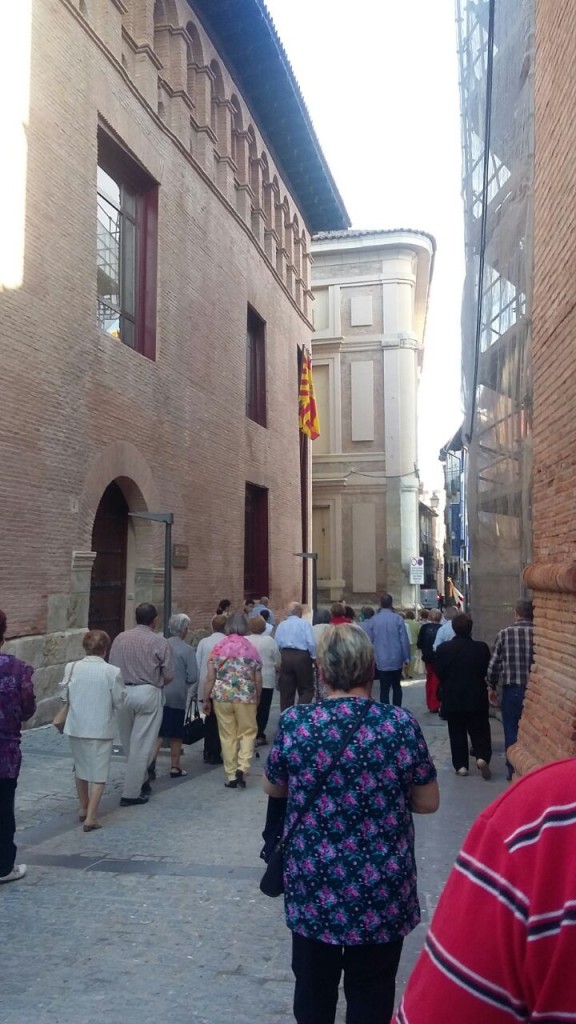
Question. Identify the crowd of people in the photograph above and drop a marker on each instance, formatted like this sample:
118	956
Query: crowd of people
344	775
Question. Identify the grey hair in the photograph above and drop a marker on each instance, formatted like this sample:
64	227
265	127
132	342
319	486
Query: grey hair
236	623
345	657
178	623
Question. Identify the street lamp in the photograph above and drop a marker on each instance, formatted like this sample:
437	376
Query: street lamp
168	519
314	556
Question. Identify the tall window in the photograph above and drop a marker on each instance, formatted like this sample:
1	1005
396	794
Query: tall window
127	219
256	570
256	368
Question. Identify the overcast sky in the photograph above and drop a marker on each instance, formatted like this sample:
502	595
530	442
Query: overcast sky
380	80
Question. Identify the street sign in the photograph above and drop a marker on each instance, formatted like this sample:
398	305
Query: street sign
416	571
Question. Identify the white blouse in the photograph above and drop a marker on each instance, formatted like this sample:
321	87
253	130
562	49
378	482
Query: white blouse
268	650
94	691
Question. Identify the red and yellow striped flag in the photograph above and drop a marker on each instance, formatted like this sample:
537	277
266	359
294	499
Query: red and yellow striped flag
307	409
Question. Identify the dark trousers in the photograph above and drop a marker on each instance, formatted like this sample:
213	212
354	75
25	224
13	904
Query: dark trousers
296	677
387	680
475	725
212	748
511	706
7	826
263	712
369	981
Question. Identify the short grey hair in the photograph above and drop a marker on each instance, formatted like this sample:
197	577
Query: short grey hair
236	623
295	608
345	657
178	623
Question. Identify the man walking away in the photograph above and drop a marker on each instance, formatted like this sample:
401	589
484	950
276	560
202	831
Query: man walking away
387	631
297	644
510	665
446	631
461	665
147	664
425	643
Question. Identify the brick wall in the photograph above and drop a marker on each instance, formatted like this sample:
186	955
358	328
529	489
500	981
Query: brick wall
80	409
548	726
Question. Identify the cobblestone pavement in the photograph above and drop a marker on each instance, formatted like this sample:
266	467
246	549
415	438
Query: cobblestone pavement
159	916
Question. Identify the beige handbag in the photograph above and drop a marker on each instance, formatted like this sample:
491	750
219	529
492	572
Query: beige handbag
59	720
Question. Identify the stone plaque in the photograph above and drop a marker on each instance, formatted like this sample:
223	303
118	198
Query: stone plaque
180	554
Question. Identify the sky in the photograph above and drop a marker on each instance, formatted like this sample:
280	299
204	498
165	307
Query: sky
380	80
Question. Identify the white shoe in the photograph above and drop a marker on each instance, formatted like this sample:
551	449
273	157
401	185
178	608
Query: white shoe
462	771
484	768
18	871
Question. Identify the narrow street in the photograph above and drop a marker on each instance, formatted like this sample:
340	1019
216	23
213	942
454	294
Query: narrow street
158	916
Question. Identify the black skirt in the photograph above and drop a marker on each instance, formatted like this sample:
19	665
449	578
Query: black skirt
172	723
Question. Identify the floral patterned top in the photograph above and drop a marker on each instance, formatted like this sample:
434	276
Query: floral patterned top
17	704
350	870
235	660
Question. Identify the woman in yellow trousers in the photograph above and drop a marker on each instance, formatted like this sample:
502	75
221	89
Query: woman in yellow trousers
234	684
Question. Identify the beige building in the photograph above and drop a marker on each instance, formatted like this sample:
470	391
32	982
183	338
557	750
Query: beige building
154	303
370	301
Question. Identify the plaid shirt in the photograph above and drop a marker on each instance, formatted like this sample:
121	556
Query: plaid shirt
513	655
143	657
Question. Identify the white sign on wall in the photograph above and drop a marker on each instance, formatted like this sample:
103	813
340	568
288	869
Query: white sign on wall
416	571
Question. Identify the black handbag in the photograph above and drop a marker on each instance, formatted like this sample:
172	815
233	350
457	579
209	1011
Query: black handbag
194	728
272	881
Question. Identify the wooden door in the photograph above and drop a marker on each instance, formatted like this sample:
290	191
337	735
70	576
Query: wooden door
108	584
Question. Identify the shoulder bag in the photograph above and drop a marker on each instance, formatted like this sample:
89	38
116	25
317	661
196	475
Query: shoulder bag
272	881
59	720
194	728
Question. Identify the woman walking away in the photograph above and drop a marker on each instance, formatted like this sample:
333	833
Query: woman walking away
269	652
176	695
461	666
94	691
17	705
358	770
234	684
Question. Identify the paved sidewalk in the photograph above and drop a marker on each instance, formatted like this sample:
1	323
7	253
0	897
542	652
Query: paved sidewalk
159	916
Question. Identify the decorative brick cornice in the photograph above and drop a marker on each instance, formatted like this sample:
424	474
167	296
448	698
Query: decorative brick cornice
555	577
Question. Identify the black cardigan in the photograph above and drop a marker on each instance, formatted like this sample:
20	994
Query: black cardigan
461	665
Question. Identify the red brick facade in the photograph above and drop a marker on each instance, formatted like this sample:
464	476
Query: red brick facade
80	409
548	726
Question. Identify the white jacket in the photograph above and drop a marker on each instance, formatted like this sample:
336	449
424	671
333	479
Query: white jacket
94	691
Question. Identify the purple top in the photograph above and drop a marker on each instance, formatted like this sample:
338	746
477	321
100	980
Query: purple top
17	704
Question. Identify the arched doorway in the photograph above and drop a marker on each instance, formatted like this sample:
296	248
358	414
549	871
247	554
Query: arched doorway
108	583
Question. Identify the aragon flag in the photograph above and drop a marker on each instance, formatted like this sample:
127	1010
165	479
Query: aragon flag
307	409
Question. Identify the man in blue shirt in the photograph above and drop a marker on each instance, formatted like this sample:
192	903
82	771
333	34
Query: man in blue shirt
297	644
387	632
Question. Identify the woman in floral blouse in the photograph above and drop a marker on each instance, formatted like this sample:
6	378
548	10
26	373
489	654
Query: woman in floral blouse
234	684
350	870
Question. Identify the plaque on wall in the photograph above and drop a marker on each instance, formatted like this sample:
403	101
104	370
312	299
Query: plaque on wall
180	554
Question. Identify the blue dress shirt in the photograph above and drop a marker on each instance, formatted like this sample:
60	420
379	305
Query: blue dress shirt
444	633
387	632
296	633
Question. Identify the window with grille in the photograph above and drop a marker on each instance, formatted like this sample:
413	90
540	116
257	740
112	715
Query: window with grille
256	368
127	214
256	554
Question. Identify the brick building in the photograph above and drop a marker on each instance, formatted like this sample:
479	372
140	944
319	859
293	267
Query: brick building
154	299
371	295
548	725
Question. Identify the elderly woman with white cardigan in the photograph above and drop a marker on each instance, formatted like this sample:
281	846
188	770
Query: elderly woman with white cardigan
93	692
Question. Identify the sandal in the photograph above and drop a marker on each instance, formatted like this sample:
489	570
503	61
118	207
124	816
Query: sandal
91	828
177	773
82	817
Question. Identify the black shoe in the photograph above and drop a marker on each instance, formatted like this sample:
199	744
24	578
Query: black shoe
240	779
231	785
146	789
133	801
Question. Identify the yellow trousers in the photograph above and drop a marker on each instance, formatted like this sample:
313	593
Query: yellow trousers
238	730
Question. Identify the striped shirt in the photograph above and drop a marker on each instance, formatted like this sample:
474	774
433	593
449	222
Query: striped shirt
501	945
513	655
143	656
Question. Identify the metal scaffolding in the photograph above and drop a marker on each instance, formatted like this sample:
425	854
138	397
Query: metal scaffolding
496	40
